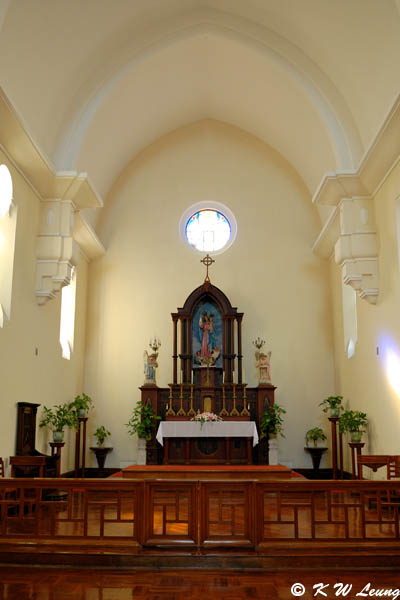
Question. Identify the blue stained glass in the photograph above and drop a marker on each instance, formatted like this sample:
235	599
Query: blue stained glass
208	230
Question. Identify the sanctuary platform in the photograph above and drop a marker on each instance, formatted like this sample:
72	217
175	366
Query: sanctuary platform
207	472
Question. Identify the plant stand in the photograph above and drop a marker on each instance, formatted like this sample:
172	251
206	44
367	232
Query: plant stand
355	449
141	453
273	451
56	448
80	468
101	455
334	421
316	455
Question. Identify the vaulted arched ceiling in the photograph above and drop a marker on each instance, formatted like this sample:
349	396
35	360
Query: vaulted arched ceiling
97	81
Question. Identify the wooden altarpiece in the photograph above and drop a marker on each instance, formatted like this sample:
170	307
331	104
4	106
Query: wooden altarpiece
212	382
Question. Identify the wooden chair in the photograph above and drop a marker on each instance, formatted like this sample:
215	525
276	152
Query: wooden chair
1	467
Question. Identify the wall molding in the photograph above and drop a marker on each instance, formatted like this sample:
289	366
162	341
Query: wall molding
350	194
62	196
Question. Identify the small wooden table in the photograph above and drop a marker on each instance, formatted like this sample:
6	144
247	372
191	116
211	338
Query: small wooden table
374	462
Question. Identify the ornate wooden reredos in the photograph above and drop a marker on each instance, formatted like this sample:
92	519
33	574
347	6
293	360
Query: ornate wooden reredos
207	370
207	294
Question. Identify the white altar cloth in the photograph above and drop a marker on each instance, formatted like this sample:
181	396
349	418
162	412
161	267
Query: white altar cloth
227	429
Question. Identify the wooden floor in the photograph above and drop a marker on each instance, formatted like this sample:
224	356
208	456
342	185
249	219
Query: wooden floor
51	584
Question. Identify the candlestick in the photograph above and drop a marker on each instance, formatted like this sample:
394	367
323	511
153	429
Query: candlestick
181	412
234	411
170	411
191	412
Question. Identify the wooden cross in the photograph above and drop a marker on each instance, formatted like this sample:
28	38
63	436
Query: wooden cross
207	262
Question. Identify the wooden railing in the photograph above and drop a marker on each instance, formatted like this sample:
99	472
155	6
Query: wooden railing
137	516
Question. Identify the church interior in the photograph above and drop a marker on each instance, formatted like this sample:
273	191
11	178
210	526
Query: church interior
122	125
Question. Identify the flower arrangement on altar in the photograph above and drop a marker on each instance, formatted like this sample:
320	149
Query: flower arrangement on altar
205	417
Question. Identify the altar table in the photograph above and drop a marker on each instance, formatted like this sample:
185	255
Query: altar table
225	430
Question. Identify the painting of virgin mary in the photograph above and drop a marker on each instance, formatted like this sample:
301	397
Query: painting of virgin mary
207	335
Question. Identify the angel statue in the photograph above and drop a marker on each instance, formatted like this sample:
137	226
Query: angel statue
263	365
150	363
263	362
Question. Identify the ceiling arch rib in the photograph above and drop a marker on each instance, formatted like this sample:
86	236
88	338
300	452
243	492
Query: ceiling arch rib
200	78
322	94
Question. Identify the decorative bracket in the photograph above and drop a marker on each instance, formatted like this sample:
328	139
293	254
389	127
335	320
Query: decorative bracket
57	251
356	249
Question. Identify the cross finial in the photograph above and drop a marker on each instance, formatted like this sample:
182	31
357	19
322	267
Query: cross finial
207	262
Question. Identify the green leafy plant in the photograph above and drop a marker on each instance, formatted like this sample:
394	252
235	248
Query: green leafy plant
353	420
315	434
272	421
58	417
142	421
81	404
333	403
101	434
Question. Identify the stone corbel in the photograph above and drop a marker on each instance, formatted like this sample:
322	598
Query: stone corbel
57	253
57	250
356	249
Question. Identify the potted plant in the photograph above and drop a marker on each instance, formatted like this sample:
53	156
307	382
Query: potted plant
81	405
333	405
101	434
271	426
314	435
353	421
272	421
57	418
142	423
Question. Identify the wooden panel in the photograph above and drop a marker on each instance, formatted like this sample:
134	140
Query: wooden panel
227	514
171	515
132	517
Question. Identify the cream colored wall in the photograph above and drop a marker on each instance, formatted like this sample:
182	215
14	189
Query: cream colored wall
46	378
269	273
369	381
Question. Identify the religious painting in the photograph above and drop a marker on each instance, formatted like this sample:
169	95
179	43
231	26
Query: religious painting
207	335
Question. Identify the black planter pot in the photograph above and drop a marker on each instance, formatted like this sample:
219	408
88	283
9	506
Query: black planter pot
316	455
101	455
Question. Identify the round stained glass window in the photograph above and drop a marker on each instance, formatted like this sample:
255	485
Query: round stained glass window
208	230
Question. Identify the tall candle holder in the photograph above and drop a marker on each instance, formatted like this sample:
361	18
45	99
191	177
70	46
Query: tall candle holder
181	412
223	412
170	412
234	412
191	412
244	412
